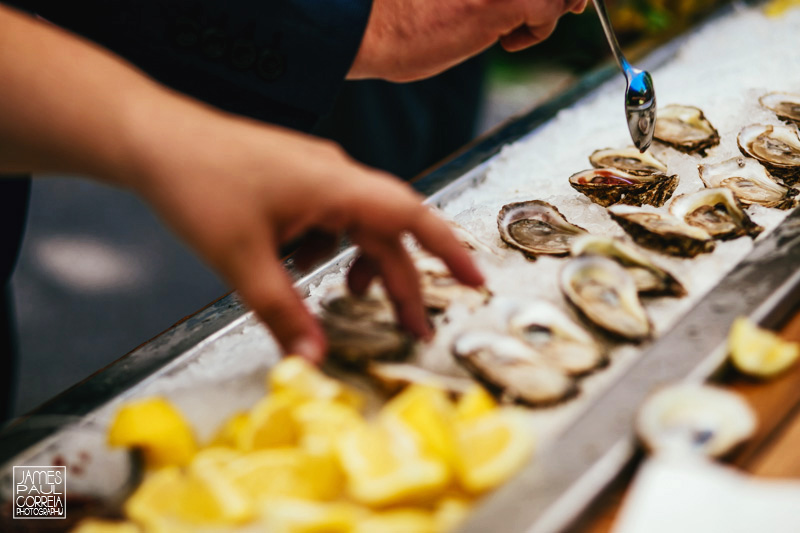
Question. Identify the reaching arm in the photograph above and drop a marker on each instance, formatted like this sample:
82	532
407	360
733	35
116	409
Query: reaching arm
233	188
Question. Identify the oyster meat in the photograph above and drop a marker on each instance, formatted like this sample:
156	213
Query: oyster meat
749	181
607	186
557	338
536	228
695	418
717	211
606	295
439	288
785	105
629	159
360	330
512	368
685	128
650	278
775	147
662	232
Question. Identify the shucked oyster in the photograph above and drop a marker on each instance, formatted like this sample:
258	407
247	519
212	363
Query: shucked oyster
650	278
785	105
606	294
749	181
717	211
607	186
662	232
512	368
439	288
557	338
360	330
776	147
629	159
697	418
536	228
685	128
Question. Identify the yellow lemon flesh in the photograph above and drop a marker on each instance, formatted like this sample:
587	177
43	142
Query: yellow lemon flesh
475	402
304	379
759	352
398	521
303	516
270	423
158	428
428	413
383	467
491	448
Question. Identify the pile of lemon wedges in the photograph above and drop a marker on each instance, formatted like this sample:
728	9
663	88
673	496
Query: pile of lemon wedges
305	459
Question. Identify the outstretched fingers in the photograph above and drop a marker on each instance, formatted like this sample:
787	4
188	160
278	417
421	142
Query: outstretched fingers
267	288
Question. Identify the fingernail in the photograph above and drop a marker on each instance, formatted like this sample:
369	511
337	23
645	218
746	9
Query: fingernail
308	349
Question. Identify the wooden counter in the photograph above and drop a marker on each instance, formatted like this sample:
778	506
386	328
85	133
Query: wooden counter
774	451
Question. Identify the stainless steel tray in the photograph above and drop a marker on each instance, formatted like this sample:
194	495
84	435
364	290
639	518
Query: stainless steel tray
552	491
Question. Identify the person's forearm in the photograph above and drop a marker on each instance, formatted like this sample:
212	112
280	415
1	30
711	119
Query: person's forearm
69	106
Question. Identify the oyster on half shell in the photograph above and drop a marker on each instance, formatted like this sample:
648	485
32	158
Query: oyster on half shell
606	295
695	418
629	159
749	181
607	186
512	368
536	228
650	278
557	338
439	288
362	329
775	147
785	105
662	232
685	128
391	377
717	211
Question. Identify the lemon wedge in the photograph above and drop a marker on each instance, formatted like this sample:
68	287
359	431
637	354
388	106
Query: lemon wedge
282	515
383	466
398	521
230	433
428	413
270	423
491	448
298	375
759	352
158	428
475	402
208	496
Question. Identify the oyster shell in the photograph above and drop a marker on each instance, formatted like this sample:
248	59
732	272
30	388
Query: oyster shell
607	186
360	330
717	211
775	147
392	377
662	232
439	288
470	241
557	338
650	278
629	159
785	105
693	417
749	181
536	228
685	128
606	295
512	368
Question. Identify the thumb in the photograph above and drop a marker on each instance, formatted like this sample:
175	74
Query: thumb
267	288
